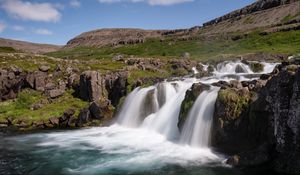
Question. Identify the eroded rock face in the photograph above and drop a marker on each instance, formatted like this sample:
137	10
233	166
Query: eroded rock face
92	86
116	85
282	98
190	97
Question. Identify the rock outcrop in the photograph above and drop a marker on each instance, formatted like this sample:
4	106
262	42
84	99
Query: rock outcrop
11	82
92	86
261	125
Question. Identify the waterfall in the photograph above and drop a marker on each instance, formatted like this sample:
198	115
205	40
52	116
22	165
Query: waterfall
230	67
130	114
166	119
196	130
156	108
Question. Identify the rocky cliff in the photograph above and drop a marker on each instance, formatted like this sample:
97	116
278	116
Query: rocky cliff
258	121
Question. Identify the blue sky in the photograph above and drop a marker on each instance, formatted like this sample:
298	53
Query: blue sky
57	21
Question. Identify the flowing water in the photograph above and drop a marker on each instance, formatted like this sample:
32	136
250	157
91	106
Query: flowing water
144	139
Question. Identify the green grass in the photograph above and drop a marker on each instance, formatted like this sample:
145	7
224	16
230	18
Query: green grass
201	49
19	109
7	50
289	17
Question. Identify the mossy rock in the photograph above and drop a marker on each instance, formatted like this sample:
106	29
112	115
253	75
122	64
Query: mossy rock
189	100
233	102
256	67
180	72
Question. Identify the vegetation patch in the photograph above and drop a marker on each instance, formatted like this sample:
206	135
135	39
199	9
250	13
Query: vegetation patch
234	103
7	50
21	109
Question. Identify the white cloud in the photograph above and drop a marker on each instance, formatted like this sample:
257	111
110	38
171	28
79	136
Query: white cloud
34	11
151	2
17	28
43	32
2	26
75	3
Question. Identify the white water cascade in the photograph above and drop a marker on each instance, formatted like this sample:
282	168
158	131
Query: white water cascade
156	108
196	130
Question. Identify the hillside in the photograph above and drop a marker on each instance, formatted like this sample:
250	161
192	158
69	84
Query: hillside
27	46
274	15
269	15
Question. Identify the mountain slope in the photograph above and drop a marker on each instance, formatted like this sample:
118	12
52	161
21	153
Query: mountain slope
272	14
27	46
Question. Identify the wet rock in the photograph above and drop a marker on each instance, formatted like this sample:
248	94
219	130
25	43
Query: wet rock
239	69
190	97
222	84
149	105
233	160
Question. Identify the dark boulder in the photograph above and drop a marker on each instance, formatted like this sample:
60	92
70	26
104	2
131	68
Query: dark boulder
116	86
67	118
101	110
83	117
11	82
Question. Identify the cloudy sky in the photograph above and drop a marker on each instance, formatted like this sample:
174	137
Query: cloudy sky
57	21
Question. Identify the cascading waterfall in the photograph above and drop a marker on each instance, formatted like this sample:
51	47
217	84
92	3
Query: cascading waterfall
165	120
230	67
156	108
196	130
144	137
130	114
